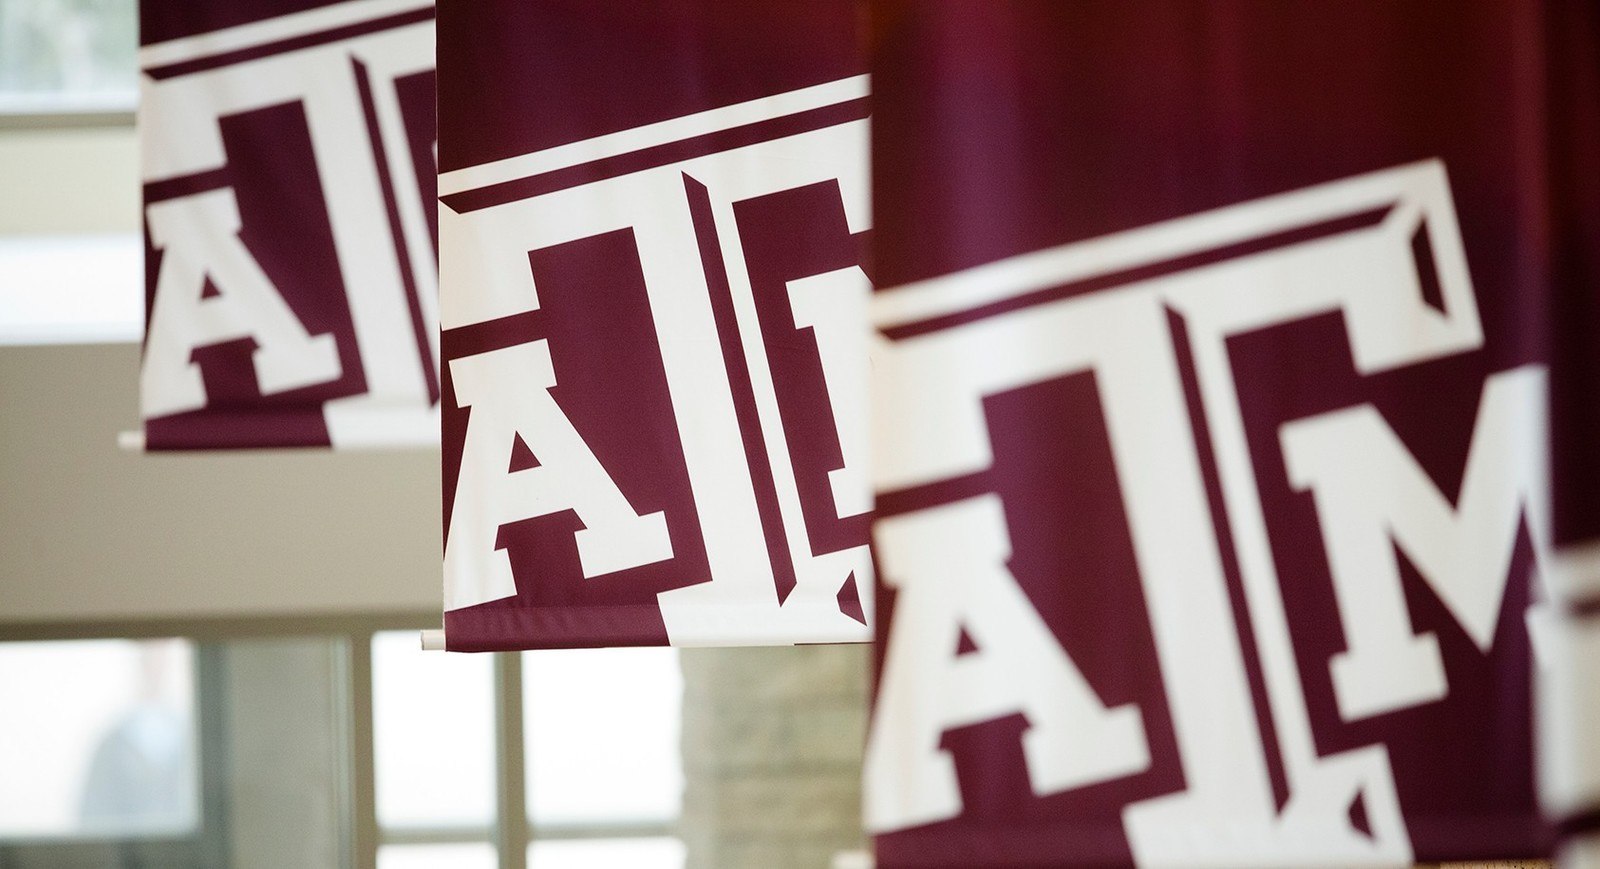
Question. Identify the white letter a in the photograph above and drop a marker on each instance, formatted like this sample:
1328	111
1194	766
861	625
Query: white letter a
199	238
508	391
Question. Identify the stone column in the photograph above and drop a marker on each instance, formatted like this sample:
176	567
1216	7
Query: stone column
772	741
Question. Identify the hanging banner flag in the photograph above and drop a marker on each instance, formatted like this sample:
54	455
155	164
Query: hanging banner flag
289	180
1569	688
654	329
1209	432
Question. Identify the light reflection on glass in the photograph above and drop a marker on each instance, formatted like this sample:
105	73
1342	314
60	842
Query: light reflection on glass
433	735
97	739
602	731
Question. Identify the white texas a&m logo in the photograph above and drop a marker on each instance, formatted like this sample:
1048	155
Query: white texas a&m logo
691	290
356	79
948	560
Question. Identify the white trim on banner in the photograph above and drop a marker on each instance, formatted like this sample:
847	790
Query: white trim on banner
273	30
652	135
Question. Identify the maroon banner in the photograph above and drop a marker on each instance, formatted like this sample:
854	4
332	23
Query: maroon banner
1210	426
288	151
1570	690
653	312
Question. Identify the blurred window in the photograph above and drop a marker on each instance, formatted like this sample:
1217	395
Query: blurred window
97	739
68	55
602	776
601	731
110	745
433	735
71	289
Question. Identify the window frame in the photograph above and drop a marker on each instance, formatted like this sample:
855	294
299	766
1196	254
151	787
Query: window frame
109	117
512	831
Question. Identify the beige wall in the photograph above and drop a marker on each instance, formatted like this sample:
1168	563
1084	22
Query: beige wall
91	533
68	180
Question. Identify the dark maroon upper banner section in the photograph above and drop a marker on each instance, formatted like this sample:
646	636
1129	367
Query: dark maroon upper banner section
1573	78
1211	103
159	22
560	71
1078	119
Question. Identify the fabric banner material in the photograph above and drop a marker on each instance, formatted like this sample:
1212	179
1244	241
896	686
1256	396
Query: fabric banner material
1569	690
289	181
1210	429
653	307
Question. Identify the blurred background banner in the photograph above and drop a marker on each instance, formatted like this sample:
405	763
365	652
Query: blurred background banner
289	180
652	301
1211	430
1570	688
